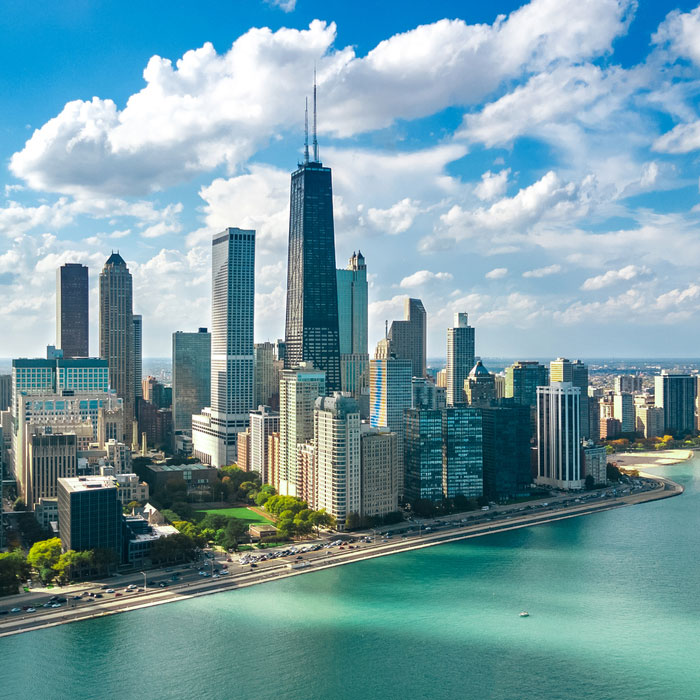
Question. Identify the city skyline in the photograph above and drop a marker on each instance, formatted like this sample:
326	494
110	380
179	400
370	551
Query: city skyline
541	211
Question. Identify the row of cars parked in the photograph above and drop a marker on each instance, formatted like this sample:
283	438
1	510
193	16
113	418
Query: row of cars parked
55	601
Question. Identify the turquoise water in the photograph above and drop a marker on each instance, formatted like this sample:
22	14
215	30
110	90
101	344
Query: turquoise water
614	600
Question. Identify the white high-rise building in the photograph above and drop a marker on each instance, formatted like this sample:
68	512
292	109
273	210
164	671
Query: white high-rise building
215	430
299	389
558	436
263	423
623	410
337	455
460	358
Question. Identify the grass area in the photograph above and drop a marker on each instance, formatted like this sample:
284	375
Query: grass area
242	513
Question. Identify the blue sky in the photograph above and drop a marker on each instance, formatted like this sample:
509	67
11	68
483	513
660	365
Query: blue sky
535	165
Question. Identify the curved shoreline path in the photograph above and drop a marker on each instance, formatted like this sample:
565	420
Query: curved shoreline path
277	569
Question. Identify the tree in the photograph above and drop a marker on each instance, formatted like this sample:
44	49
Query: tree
19	504
612	472
74	565
43	556
13	570
133	504
352	521
231	534
590	481
172	548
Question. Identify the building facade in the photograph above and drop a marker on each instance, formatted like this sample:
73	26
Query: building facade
379	462
462	452
73	310
214	432
558	436
409	337
422	452
263	423
460	358
522	380
191	376
117	330
675	394
138	355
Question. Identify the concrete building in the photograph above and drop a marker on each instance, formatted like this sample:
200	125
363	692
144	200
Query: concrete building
425	394
460	358
462	452
263	423
266	375
594	460
243	455
379	462
50	456
558	436
423	455
409	337
196	477
299	389
480	386
307	486
119	456
610	428
5	391
131	489
506	430
623	410
156	424
72	311
675	394
337	455
629	384
215	431
649	420
273	459
191	376
117	331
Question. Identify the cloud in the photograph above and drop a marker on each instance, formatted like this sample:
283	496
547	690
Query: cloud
627	273
422	277
396	219
683	138
209	110
497	273
543	271
284	5
680	34
492	185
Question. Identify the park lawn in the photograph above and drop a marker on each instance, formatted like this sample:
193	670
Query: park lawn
241	513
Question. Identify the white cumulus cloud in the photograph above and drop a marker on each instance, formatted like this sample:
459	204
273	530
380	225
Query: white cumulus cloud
543	271
497	273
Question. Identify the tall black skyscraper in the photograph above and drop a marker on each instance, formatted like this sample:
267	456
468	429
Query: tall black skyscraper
72	315
312	299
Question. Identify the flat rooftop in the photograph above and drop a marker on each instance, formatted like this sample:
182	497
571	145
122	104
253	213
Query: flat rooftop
87	483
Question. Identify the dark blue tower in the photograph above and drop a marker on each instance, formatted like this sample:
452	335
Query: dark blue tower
311	333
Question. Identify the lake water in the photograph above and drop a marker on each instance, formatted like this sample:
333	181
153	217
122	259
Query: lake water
614	602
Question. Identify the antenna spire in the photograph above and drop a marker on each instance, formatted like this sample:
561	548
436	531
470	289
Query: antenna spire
306	130
315	140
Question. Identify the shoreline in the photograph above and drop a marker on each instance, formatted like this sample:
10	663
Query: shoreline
277	571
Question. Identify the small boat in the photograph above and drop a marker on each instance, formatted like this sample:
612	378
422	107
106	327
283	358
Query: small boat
524	613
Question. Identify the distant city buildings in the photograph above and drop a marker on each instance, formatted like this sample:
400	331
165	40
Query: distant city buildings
480	386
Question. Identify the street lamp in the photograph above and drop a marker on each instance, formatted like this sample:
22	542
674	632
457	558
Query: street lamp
145	583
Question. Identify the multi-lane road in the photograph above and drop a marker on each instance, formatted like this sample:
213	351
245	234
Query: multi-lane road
128	592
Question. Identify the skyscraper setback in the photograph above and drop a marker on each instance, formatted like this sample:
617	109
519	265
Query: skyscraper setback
117	330
460	358
312	333
409	337
72	310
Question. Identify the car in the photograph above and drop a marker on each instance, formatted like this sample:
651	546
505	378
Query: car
117	595
224	572
76	597
99	595
47	605
215	576
108	590
31	609
16	610
55	605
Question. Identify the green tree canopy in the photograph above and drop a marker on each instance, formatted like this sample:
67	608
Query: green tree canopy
45	554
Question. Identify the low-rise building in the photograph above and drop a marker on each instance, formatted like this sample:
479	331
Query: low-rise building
195	476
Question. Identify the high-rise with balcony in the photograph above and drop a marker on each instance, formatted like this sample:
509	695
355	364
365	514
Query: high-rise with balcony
72	310
138	356
675	394
460	358
117	330
311	333
215	430
191	376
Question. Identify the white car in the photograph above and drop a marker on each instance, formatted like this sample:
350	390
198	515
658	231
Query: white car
110	590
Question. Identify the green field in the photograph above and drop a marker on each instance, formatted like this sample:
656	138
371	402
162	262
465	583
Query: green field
241	513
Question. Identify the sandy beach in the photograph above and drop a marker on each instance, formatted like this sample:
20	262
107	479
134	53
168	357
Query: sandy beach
650	460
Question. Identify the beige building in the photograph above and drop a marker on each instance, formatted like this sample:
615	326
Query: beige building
50	457
650	420
131	489
379	460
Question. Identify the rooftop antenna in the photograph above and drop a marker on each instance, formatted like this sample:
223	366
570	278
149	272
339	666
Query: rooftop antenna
315	140
306	130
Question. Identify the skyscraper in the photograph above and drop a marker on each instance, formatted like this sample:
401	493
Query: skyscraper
480	386
214	431
522	380
311	333
72	310
138	356
558	436
460	358
423	455
117	330
562	370
191	376
337	455
675	393
462	452
266	376
409	337
263	423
